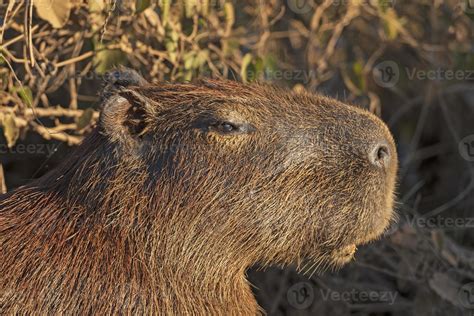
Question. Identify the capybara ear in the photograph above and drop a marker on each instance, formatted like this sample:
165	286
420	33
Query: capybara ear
119	78
127	115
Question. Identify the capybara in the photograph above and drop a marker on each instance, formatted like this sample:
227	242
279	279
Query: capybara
180	188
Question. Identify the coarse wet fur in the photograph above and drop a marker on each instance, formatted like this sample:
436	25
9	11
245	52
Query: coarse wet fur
181	188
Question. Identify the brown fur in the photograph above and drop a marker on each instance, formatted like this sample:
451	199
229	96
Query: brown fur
159	211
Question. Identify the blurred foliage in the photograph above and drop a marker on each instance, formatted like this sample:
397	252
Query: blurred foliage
53	46
54	53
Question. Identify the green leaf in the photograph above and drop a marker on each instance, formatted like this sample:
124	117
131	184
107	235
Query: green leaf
10	130
270	63
201	58
188	59
391	24
171	42
85	119
189	7
188	75
141	5
165	10
96	16
246	62
259	66
384	4
205	8
25	94
358	70
229	15
106	59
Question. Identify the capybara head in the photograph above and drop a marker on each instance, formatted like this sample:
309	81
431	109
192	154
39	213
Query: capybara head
182	187
253	173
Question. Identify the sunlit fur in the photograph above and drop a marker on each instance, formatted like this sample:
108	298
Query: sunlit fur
156	214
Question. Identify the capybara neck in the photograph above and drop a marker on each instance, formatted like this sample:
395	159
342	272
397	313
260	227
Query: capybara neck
123	247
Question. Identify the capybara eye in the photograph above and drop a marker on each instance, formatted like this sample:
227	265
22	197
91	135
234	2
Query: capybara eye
227	127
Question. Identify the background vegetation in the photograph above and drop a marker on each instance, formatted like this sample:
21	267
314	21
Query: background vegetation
411	62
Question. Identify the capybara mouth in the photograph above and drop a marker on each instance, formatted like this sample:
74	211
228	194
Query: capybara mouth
344	255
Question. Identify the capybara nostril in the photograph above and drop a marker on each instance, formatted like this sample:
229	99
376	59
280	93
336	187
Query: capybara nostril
380	155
